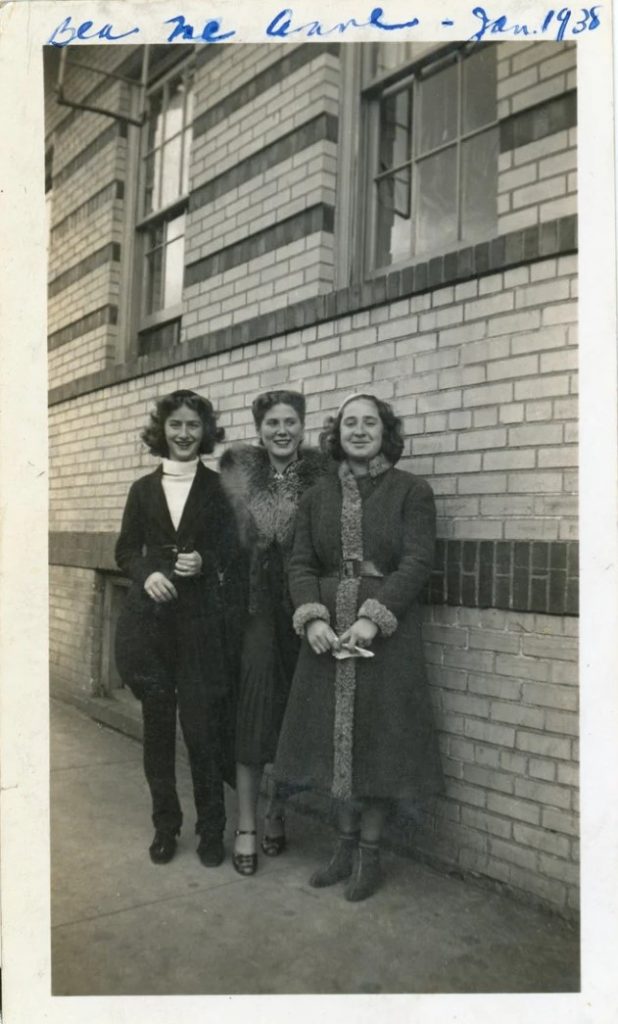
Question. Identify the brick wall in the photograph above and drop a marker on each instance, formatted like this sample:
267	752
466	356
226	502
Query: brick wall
478	353
74	630
241	126
538	176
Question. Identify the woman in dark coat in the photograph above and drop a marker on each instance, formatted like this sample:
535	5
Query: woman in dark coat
180	627
361	727
265	484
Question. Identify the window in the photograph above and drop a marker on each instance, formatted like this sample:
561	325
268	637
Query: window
163	199
432	150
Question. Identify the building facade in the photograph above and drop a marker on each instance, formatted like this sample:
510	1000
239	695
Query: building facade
400	218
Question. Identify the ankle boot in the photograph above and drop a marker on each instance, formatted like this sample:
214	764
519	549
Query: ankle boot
366	874
340	864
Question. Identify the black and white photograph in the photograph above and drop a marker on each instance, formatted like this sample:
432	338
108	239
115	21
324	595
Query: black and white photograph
314	485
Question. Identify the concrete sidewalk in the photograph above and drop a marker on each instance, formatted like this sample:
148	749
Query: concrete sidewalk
122	926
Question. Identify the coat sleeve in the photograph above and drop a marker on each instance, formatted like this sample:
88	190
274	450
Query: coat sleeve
130	555
403	586
304	570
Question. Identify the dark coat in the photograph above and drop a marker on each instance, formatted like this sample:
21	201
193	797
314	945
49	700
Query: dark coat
363	727
197	636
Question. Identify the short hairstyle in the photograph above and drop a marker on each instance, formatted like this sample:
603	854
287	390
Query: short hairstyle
153	435
261	405
392	438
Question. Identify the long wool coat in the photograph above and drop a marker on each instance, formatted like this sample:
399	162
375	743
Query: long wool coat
197	636
265	504
362	728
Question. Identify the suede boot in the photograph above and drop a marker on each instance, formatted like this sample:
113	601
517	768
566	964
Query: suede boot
340	864
366	875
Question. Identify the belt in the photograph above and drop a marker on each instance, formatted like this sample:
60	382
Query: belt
352	568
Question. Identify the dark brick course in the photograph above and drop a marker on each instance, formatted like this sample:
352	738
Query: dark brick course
475	262
107	254
98	318
273	75
320	128
116	130
316	218
547	118
510	575
107	194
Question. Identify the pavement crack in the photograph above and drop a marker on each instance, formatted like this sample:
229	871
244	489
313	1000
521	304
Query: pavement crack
141	906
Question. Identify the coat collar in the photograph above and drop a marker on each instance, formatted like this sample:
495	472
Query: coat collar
200	496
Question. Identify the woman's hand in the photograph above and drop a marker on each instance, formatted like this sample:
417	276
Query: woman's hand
321	637
159	588
188	564
360	633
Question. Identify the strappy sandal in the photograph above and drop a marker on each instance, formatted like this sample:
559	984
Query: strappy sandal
245	863
272	846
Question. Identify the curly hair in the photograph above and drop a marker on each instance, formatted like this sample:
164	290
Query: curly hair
153	435
263	403
392	438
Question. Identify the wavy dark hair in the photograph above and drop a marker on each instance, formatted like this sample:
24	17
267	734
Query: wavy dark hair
392	438
153	435
261	405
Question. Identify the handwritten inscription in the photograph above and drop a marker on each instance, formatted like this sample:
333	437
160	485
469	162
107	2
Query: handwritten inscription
556	24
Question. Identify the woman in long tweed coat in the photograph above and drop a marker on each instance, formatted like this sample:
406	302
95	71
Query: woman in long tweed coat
361	727
265	484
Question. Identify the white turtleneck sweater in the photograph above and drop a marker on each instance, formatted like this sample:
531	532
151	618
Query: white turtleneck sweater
177	479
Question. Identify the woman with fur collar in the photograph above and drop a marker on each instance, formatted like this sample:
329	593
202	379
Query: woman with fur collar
359	720
264	485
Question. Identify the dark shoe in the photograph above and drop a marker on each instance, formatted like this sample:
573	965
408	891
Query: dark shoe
366	875
245	863
272	846
340	864
210	849
162	847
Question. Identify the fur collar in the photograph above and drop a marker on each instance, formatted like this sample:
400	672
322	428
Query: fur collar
265	502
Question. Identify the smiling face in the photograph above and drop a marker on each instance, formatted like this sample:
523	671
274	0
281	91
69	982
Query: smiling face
281	432
184	431
361	430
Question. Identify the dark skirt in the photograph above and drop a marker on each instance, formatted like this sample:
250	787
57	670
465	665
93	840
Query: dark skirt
269	654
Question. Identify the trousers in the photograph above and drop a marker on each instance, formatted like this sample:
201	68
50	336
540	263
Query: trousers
160	706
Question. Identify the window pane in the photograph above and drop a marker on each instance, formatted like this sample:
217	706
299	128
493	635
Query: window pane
438	109
154	282
395	134
436	221
479	186
175	107
154	132
479	86
152	175
186	156
189	101
171	171
159	339
174	271
393	218
390	56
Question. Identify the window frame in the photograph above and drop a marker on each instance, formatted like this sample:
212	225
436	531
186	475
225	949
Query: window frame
431	58
145	323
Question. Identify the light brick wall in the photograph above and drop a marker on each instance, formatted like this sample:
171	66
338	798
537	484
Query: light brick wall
505	695
74	630
291	272
536	182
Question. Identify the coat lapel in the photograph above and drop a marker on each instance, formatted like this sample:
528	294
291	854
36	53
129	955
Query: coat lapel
199	498
158	503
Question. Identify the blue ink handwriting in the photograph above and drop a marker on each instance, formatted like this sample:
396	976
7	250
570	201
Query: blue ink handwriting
207	35
65	33
500	26
281	25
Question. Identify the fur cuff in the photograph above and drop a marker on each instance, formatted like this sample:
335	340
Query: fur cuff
306	613
379	615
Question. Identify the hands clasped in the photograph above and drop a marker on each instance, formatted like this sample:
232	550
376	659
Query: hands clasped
161	589
322	639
